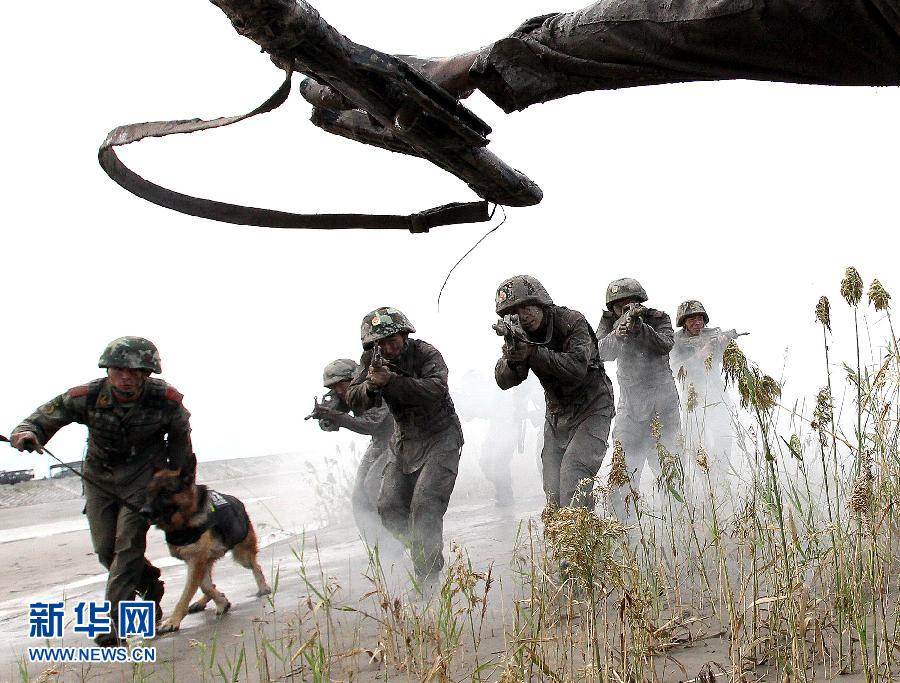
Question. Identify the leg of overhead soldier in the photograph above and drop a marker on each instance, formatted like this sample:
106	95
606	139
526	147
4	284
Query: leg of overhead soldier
429	503
582	459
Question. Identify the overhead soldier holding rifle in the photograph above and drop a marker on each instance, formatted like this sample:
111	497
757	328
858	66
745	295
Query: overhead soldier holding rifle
137	425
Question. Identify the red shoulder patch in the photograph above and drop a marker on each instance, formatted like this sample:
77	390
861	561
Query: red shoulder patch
77	392
173	395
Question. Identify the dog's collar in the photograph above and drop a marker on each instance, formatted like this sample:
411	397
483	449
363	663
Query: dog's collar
198	524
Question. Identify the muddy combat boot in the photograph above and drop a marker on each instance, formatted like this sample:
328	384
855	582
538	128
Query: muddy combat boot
152	588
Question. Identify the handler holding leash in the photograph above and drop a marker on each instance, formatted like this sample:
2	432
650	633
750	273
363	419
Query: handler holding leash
136	426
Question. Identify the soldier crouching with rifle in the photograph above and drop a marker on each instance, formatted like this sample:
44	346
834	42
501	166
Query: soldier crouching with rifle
559	346
639	339
410	377
334	413
136	426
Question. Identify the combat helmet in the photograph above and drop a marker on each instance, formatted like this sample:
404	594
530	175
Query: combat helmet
131	352
338	371
624	288
520	290
381	323
688	308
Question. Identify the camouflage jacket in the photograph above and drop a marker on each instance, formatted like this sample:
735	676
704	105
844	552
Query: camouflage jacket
646	385
155	430
375	422
568	367
417	395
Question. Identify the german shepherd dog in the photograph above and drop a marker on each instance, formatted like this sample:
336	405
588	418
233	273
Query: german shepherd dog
201	525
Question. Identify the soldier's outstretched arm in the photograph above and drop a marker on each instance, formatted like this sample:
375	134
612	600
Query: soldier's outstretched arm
368	423
55	414
630	43
430	388
570	364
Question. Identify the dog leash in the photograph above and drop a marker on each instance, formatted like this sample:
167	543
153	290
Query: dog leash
117	498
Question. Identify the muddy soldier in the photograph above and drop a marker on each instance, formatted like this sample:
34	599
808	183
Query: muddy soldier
136	426
626	43
639	339
410	377
558	345
333	413
697	358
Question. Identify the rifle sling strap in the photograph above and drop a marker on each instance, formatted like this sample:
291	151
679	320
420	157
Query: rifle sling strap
422	221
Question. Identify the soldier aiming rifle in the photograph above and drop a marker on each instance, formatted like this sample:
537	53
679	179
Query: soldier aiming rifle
706	408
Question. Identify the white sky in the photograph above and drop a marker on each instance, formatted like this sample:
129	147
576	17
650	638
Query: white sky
752	197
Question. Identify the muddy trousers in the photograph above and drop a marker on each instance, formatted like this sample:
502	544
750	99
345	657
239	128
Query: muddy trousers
412	507
573	451
640	448
119	537
366	490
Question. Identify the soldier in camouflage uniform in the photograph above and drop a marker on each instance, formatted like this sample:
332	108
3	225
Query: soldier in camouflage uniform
334	413
410	377
697	362
136	426
559	346
639	339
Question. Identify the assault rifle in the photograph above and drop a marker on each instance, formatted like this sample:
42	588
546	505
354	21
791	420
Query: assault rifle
707	334
328	401
510	328
632	314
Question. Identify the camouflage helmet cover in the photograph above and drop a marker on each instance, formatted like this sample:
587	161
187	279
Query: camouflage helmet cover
338	371
131	352
624	288
520	290
381	323
688	308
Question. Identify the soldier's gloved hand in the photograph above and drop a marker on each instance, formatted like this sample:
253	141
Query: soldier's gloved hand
520	353
26	441
379	376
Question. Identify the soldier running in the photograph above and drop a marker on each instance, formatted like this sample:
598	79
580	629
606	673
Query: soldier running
558	345
639	340
333	413
136	426
410	377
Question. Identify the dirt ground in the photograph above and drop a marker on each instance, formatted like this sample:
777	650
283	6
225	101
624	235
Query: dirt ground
45	554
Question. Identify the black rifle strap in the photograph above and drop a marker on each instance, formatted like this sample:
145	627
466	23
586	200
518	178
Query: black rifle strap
423	221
